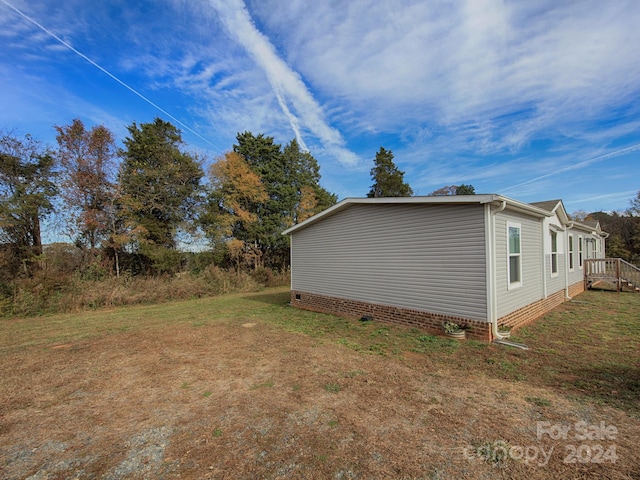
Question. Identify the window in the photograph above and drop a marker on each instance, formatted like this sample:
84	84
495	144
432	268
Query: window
515	255
554	253
594	245
571	253
580	245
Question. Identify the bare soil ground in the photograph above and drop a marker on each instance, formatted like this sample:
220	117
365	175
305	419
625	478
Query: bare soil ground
262	390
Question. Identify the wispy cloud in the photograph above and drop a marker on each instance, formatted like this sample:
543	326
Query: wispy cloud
288	87
538	98
476	62
577	165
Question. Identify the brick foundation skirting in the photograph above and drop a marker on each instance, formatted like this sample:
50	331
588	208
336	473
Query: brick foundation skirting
576	289
431	322
535	310
426	320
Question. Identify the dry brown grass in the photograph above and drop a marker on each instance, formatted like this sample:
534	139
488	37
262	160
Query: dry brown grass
244	386
51	292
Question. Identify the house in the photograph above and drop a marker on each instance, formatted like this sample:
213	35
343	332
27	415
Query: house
477	260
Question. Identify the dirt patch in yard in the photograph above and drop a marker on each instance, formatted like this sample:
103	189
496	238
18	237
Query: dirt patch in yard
244	398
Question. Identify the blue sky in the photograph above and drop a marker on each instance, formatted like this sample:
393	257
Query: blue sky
535	100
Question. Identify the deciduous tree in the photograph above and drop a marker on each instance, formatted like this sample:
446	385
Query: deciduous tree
624	234
634	209
303	173
86	159
230	209
27	189
454	190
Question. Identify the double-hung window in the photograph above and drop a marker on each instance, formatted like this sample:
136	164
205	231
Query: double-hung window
571	253
514	265
554	253
580	251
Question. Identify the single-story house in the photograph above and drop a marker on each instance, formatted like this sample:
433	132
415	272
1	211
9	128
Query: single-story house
479	260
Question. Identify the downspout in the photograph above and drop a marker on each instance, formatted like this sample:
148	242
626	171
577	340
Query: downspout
543	237
290	263
492	284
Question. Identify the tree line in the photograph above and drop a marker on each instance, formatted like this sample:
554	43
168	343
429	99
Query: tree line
131	208
623	228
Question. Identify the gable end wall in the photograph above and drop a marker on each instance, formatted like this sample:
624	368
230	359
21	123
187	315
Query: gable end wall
427	258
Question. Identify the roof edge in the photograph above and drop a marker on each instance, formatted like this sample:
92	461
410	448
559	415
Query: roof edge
424	200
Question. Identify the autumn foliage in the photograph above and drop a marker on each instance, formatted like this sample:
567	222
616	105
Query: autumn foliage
145	211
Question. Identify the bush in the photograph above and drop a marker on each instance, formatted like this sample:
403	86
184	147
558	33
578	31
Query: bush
263	276
53	293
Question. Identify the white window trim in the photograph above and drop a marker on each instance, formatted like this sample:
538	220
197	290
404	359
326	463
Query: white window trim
557	272
580	251
571	261
513	285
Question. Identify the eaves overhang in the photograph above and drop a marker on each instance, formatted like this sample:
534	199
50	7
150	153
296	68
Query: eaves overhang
511	204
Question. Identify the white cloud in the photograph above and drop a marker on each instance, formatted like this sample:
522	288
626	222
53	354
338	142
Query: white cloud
446	63
289	89
490	92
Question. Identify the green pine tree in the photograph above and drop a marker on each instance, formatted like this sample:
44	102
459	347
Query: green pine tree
388	180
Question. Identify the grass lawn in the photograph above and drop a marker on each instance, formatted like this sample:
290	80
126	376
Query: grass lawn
245	386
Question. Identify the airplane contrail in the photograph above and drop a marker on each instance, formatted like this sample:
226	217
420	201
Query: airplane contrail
575	166
105	71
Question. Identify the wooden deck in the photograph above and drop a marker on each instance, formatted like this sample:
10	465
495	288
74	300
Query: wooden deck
620	273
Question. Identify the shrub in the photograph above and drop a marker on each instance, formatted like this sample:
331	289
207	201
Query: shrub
263	276
49	293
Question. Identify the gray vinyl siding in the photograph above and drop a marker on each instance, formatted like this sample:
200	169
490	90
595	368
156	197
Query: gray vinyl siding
424	257
555	283
531	289
577	275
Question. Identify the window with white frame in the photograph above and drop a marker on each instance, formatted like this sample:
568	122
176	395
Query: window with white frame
571	253
594	248
580	251
514	266
554	253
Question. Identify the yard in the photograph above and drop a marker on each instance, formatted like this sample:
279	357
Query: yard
244	386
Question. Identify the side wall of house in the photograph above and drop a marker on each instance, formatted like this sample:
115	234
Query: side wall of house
531	289
555	281
427	258
527	314
542	289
